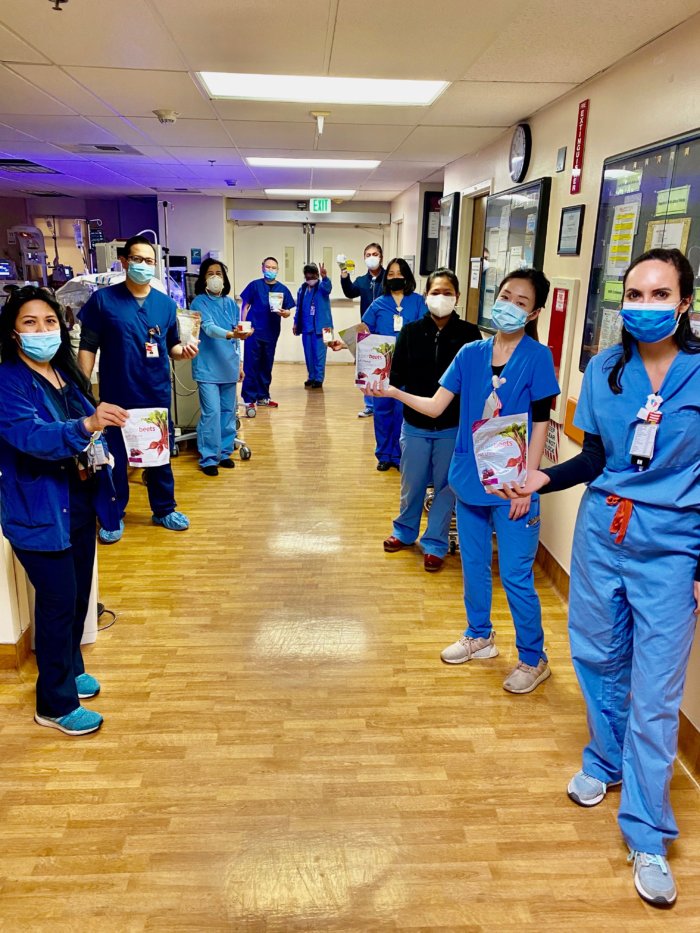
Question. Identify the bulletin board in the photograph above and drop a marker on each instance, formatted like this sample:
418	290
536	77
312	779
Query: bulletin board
515	235
648	198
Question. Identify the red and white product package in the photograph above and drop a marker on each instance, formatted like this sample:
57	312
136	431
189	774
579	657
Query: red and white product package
500	450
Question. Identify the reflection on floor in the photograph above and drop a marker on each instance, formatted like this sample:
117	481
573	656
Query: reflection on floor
284	751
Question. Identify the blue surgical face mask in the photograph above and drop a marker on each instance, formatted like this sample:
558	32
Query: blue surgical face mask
41	347
650	323
270	274
140	273
508	317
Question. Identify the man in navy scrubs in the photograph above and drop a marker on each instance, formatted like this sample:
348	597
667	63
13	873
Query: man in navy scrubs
135	329
264	302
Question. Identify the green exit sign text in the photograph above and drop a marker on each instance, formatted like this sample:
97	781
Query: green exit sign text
320	205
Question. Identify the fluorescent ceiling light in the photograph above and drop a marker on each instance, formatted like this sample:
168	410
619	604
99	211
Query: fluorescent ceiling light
316	193
321	90
261	162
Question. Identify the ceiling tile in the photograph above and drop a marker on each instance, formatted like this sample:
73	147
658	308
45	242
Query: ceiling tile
444	143
272	135
137	93
559	48
184	132
95	32
259	36
14	49
59	130
414	39
271	111
18	96
491	103
66	89
10	134
194	155
361	138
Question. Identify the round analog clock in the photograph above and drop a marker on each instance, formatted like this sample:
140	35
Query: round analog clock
520	150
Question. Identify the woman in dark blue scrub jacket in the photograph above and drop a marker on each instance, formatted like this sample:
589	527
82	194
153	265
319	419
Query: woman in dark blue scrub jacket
398	305
49	497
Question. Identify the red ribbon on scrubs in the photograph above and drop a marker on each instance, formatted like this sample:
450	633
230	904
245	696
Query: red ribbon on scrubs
621	518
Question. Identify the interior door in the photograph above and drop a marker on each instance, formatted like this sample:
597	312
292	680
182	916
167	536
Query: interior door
476	258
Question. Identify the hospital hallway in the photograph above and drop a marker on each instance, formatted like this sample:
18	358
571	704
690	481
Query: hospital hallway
283	749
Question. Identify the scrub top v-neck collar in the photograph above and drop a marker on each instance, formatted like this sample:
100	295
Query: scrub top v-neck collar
670	372
513	354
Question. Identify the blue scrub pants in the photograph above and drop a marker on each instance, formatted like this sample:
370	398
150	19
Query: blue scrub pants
315	352
62	581
160	481
259	357
631	624
425	458
388	419
517	548
216	430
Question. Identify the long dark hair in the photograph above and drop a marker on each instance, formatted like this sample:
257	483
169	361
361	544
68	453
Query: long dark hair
683	336
540	284
65	357
200	286
409	277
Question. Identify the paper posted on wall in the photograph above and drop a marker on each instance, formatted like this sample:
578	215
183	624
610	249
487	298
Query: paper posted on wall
146	437
500	450
373	360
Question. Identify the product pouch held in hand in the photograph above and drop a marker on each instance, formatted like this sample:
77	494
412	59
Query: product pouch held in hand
189	323
500	450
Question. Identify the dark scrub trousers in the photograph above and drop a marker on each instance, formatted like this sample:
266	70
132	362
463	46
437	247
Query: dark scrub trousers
259	352
120	326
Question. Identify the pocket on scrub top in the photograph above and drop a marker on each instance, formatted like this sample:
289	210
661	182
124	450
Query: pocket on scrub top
678	440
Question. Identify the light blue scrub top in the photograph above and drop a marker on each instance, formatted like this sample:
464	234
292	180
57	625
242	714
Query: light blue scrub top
672	479
218	359
379	317
529	375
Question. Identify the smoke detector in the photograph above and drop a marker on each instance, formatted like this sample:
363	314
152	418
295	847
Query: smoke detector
167	116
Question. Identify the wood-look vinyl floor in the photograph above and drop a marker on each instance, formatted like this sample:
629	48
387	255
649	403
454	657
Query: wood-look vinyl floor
283	749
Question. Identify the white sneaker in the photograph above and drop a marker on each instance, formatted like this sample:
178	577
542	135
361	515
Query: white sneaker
653	878
524	677
466	649
365	413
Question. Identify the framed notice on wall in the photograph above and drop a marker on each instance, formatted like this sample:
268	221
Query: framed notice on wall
649	198
515	234
447	233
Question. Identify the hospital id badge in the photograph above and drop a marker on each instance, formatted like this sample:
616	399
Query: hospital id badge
152	349
642	449
398	323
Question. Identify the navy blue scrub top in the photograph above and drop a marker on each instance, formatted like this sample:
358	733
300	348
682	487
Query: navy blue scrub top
266	323
123	327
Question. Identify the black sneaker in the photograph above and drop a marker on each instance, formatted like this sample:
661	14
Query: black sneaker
210	471
383	466
308	384
316	385
227	463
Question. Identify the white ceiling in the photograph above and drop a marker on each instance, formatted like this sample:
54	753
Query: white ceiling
94	72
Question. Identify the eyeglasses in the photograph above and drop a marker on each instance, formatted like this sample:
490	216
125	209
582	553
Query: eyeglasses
143	259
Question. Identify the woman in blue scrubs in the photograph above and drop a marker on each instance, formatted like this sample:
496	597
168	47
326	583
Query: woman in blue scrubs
312	318
217	367
398	305
423	352
50	496
524	370
635	574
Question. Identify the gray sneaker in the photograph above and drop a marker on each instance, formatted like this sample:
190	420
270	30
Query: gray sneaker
467	649
365	413
524	678
588	791
653	878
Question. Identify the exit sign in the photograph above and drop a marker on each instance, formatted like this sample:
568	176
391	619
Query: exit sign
320	205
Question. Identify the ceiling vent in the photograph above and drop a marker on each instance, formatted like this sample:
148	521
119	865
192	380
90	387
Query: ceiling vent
24	167
178	190
101	149
47	194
